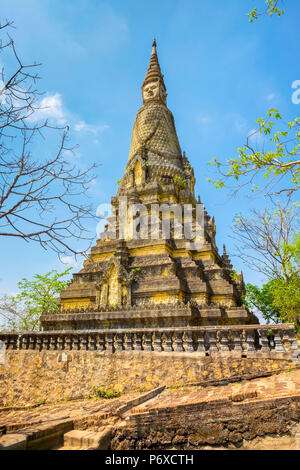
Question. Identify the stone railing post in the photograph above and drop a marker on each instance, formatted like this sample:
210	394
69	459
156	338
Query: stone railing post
45	342
250	338
110	341
201	343
6	340
212	341
60	342
279	349
224	346
100	342
179	341
52	342
139	338
119	342
38	343
265	346
92	342
289	339
148	341
168	341
12	342
76	342
83	342
157	345
129	341
24	342
237	343
189	342
31	341
68	342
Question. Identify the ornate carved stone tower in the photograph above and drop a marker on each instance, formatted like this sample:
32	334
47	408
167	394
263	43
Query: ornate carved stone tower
129	281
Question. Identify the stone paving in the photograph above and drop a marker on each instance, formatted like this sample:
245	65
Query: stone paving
284	384
63	410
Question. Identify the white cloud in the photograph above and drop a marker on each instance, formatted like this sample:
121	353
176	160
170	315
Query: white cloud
240	124
271	96
70	261
72	153
256	137
50	108
82	126
235	121
204	119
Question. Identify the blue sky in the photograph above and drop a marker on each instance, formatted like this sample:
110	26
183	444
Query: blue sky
221	73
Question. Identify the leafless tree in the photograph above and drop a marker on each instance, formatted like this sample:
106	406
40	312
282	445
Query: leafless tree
266	240
42	200
15	316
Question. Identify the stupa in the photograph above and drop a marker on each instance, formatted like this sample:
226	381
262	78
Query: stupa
131	281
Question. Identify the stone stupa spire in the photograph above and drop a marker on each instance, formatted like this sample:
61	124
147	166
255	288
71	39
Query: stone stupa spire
154	128
154	88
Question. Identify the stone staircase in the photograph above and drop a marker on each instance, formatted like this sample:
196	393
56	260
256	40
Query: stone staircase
87	440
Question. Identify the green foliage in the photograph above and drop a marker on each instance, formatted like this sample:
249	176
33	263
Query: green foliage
180	182
277	300
276	253
36	297
135	269
42	402
118	181
103	393
234	275
271	10
280	160
262	300
286	298
41	293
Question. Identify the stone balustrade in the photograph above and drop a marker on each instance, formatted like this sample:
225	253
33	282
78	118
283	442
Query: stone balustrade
236	341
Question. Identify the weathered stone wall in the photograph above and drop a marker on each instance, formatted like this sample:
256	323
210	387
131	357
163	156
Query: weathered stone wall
31	376
219	423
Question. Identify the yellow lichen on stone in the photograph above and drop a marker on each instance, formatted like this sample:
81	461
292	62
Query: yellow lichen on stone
112	286
138	174
76	303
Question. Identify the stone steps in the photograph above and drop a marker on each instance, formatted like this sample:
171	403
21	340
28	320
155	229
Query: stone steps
87	440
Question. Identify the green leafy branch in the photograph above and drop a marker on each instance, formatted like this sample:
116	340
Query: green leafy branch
283	159
271	10
180	182
38	296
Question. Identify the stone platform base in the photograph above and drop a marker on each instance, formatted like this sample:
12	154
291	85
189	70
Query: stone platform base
257	414
219	423
31	377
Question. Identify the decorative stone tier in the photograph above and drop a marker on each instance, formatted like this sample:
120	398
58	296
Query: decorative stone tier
236	341
155	316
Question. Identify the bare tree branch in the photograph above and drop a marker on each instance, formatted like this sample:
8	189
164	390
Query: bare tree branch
41	199
265	238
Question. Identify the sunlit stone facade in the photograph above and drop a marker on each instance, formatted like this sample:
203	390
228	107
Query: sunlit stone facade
131	282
